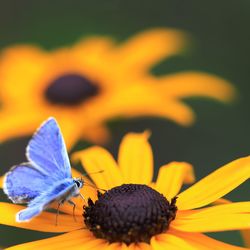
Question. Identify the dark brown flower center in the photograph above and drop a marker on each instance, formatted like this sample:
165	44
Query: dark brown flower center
129	213
70	89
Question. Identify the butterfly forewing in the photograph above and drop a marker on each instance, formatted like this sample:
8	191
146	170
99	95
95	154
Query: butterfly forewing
47	151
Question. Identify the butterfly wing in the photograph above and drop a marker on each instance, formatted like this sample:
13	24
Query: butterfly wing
36	206
47	151
24	183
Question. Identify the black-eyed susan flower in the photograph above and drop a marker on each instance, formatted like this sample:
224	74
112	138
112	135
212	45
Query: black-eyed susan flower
136	213
95	80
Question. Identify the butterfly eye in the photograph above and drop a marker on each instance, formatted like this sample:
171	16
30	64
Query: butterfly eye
78	183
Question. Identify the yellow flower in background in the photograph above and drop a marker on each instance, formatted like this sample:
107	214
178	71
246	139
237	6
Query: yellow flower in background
96	80
136	213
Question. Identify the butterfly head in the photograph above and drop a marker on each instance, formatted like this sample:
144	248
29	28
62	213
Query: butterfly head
79	182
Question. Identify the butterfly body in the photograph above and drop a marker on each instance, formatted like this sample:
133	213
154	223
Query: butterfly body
46	177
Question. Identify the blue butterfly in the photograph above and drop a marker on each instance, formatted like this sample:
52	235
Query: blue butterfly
46	177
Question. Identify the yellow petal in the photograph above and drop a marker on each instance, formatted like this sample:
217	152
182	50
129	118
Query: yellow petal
170	241
21	124
198	241
77	240
224	209
172	176
142	51
20	62
98	134
15	123
232	216
116	246
152	102
135	158
144	246
98	159
139	246
215	185
221	201
44	222
245	233
188	84
92	48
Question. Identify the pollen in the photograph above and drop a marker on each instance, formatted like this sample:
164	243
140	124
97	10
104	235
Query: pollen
129	213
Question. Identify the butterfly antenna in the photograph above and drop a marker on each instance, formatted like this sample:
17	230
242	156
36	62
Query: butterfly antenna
90	185
97	172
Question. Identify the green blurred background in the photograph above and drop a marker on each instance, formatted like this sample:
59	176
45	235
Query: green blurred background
221	35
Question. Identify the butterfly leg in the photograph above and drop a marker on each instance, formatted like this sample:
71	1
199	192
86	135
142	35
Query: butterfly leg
83	198
57	211
74	208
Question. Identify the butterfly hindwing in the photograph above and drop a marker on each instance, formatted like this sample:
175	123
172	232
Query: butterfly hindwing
47	151
28	213
23	183
57	192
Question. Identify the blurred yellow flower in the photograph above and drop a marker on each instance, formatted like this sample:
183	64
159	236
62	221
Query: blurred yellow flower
96	80
138	214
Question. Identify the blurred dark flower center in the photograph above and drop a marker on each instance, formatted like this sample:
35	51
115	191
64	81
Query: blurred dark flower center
129	213
70	89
